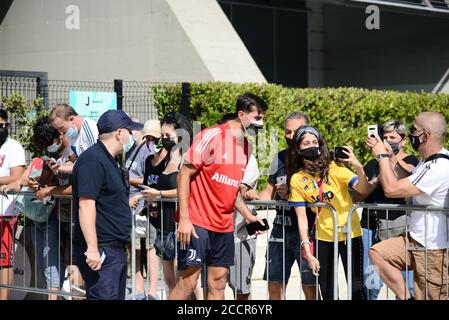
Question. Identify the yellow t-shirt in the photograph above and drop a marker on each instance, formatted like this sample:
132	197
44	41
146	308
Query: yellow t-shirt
304	189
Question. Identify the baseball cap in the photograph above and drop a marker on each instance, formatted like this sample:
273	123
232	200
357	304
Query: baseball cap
112	120
152	128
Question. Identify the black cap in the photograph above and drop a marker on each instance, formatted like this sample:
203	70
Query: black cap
112	120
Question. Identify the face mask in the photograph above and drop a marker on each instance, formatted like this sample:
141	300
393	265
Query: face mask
129	145
53	148
254	127
414	141
288	141
310	154
3	135
167	143
72	134
394	146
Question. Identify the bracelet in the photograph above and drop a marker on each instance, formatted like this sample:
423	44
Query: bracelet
306	241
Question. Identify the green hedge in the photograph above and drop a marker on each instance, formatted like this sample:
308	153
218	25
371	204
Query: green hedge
341	114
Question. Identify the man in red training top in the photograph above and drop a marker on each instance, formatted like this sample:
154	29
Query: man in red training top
208	185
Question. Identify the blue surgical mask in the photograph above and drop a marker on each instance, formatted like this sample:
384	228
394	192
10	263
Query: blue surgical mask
72	135
129	145
54	148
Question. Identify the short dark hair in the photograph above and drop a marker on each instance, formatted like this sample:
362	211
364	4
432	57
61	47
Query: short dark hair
247	101
44	134
4	114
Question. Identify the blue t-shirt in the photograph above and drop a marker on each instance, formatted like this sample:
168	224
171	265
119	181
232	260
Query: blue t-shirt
96	175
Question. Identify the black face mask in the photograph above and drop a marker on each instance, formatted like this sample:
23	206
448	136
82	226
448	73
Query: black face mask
167	143
310	154
288	141
414	141
3	135
394	146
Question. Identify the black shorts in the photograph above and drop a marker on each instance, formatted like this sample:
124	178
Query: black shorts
213	249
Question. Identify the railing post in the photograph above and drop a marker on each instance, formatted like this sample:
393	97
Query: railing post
133	254
118	89
185	99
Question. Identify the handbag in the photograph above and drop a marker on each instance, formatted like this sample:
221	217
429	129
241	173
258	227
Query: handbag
165	247
312	239
391	228
36	211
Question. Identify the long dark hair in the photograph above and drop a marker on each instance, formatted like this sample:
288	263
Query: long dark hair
317	168
180	122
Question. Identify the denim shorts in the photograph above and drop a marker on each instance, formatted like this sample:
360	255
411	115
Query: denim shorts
292	253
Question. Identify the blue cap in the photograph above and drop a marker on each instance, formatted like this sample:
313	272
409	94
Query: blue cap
112	120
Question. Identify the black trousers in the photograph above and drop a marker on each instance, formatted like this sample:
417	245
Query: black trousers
326	259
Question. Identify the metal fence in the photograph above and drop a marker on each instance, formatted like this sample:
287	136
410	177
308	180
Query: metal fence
134	96
42	242
34	272
408	210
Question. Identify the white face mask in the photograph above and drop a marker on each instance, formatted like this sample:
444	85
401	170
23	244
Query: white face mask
254	127
54	148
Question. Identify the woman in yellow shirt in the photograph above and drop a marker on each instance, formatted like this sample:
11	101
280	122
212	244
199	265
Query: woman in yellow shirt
313	175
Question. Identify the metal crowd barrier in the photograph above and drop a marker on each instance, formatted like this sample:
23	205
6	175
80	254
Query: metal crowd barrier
396	207
41	289
258	203
27	268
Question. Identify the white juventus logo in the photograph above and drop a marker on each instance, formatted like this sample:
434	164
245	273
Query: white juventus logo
192	255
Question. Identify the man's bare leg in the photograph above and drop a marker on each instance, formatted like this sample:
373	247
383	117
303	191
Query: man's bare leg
186	283
392	276
217	277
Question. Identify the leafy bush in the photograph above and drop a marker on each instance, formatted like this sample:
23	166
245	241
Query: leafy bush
340	114
24	116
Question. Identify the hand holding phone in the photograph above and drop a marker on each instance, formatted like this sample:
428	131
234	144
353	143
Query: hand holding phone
339	153
142	187
35	181
256	226
48	159
373	130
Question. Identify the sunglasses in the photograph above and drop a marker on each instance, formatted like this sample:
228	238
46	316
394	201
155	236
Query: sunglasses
4	125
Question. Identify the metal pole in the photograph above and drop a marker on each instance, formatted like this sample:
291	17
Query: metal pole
118	89
133	254
349	250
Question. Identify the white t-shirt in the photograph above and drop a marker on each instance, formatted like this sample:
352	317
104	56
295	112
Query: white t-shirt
11	155
250	179
432	178
87	136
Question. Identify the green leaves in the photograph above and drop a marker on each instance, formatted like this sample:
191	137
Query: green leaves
24	116
341	114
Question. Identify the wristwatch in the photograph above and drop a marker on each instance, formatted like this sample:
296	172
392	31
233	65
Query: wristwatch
381	156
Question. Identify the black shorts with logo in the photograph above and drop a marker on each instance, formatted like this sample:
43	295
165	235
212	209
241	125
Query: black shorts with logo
213	249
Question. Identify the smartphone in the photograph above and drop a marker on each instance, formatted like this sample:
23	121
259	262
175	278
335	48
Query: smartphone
339	154
32	179
281	179
255	226
142	186
45	158
373	130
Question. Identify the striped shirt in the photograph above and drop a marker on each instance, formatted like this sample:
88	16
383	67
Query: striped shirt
432	178
87	137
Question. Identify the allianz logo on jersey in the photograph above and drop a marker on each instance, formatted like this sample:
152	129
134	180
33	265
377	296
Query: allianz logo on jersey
224	179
